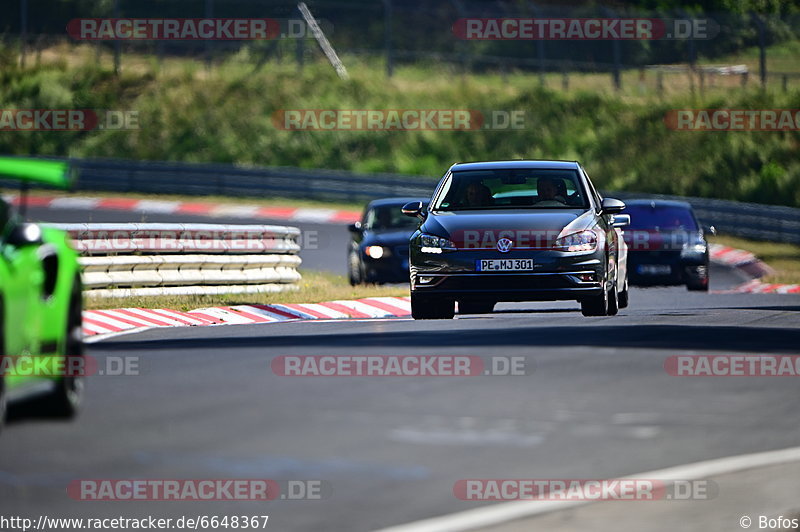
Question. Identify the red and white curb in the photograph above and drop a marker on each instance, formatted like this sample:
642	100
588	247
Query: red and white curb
195	208
757	287
752	267
98	324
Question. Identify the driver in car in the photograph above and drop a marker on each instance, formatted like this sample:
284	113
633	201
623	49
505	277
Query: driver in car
478	195
549	196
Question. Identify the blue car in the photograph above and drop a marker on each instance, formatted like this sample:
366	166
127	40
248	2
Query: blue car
378	248
666	245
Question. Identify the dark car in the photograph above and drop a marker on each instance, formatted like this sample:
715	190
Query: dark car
667	245
516	231
379	243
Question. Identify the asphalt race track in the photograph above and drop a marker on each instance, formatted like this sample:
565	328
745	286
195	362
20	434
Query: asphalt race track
598	404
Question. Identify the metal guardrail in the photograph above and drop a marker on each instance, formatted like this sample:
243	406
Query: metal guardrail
748	220
121	260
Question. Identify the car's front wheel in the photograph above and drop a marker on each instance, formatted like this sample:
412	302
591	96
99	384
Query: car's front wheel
428	308
595	305
65	400
697	279
354	270
623	298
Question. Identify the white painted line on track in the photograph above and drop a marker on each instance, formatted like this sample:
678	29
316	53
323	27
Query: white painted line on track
488	516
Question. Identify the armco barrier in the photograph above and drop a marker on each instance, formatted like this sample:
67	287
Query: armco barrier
748	220
120	260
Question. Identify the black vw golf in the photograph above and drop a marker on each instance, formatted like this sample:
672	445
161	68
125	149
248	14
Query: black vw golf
516	231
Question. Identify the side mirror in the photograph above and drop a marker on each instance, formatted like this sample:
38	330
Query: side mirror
354	227
621	220
710	229
413	209
612	206
24	234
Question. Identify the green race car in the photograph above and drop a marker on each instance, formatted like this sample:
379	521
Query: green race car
41	348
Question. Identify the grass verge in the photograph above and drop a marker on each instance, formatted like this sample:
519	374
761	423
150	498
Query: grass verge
783	258
315	287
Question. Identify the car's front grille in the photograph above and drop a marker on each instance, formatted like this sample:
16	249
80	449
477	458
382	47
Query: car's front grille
505	282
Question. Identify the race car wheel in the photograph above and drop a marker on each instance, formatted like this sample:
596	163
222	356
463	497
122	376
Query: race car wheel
65	400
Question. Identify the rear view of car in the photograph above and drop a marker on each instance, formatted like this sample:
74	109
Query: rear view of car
379	243
666	245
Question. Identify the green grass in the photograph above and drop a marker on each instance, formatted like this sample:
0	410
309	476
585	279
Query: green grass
224	115
783	258
315	287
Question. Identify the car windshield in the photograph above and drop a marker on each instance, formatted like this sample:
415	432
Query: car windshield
388	218
515	188
661	218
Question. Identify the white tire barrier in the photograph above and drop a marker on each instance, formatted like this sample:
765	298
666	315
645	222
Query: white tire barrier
122	260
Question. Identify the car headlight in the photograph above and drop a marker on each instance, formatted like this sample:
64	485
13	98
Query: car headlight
698	248
376	252
434	244
583	241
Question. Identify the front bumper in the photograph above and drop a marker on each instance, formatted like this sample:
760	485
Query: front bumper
556	275
641	273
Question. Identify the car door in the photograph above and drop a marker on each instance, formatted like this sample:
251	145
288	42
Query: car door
21	276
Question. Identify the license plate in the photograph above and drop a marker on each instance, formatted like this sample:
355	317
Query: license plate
655	269
504	265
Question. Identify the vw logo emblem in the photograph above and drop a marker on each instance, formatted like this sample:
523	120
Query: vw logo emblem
504	245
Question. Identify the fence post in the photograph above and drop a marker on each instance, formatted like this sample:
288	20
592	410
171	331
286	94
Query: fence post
300	48
387	32
785	83
762	49
117	44
660	83
616	52
208	44
23	29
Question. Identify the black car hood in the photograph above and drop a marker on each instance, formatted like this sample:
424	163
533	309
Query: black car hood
453	225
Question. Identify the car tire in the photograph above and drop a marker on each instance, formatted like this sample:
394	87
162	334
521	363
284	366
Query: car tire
3	394
595	305
623	297
354	270
697	285
3	403
475	307
66	399
613	301
426	308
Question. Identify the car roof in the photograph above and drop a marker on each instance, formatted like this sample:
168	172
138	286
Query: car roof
382	202
657	203
526	163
